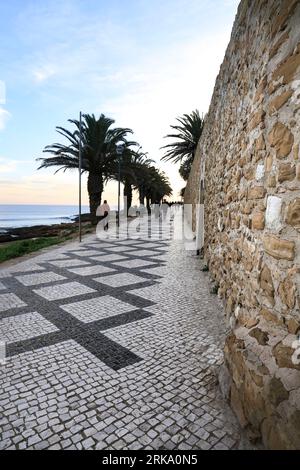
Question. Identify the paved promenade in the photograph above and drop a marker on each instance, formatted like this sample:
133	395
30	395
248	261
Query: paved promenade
112	345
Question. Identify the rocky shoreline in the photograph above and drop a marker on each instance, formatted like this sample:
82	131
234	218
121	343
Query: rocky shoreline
37	231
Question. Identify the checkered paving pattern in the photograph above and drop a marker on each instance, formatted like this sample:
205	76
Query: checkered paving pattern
39	278
129	362
97	308
134	263
69	262
86	253
25	326
91	270
143	253
121	279
9	301
104	258
63	291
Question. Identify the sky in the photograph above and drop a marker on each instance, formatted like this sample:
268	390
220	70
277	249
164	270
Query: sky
141	62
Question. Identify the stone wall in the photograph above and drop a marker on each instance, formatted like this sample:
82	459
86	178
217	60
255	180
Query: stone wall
249	157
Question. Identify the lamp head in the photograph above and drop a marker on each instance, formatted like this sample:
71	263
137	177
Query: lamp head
120	148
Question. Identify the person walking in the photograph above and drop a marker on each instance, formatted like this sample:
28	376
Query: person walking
103	211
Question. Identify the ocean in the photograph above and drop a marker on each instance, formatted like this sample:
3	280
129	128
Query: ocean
23	215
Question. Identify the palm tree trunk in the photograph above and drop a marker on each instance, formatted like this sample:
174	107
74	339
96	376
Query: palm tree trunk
141	196
148	204
128	193
95	189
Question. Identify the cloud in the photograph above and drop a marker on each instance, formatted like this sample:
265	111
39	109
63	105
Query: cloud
7	166
174	82
143	63
43	73
4	116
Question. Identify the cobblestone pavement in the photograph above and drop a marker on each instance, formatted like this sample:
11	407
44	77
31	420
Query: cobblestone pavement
112	345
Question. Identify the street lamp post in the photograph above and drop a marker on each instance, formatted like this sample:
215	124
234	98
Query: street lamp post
120	149
80	168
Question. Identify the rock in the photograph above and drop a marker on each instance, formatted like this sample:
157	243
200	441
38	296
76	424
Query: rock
271	182
277	392
261	336
279	101
274	436
237	405
256	119
266	284
273	213
293	213
282	139
293	326
287	8
286	172
279	248
283	356
246	319
287	68
258	221
260	89
260	143
257	378
271	316
287	292
257	192
278	44
268	163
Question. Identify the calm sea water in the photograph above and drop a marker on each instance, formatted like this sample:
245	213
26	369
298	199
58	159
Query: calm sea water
13	215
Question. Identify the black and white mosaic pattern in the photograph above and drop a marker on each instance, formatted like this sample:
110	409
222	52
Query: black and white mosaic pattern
112	345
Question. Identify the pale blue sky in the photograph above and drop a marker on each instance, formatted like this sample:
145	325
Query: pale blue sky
141	62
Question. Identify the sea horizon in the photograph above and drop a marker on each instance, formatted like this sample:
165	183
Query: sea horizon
28	215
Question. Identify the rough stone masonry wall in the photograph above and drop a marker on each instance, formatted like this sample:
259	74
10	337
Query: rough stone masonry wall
250	152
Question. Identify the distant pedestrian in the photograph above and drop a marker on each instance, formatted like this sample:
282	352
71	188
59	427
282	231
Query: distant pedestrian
103	212
164	210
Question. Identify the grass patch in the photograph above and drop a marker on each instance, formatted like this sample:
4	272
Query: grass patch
23	247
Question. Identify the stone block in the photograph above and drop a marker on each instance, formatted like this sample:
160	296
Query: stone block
280	100
266	283
286	172
258	221
287	69
256	119
279	248
260	143
293	213
287	293
282	139
256	192
273	213
283	355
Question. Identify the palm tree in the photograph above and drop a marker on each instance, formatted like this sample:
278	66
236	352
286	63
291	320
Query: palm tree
134	165
188	133
156	186
99	142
